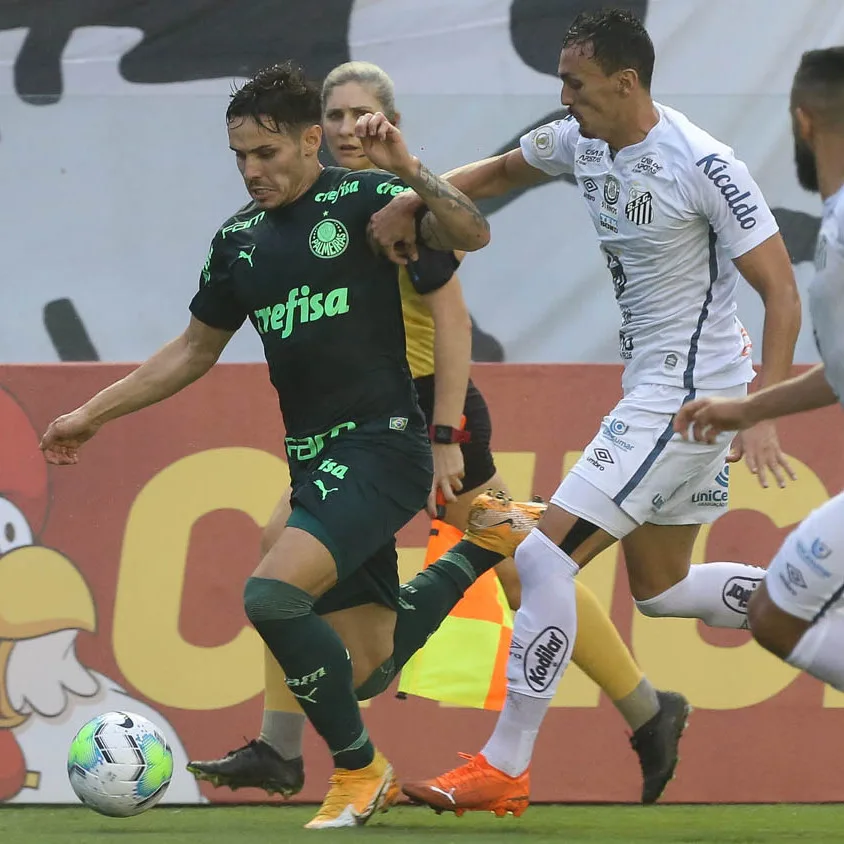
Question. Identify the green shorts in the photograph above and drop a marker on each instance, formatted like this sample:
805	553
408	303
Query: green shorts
354	496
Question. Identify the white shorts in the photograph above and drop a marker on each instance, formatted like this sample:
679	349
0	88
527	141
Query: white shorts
647	471
806	577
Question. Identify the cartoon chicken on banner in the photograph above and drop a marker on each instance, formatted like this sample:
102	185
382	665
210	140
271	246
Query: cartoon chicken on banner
46	694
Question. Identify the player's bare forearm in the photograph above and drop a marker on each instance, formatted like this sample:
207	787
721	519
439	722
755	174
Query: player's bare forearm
495	176
808	391
487	178
172	368
453	221
779	335
392	227
452	352
163	375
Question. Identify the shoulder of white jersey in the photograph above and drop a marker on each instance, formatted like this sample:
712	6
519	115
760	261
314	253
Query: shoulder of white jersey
692	146
550	147
716	185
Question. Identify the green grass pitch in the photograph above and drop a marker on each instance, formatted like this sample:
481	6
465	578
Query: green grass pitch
415	825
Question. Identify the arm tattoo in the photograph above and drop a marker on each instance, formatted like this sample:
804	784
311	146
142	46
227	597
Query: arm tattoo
434	187
432	235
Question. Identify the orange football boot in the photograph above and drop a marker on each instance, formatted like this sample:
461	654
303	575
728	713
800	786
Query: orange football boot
499	524
473	787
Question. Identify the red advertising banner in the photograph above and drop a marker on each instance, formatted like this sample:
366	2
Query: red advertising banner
121	584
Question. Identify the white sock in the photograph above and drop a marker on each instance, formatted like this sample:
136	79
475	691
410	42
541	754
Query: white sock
820	651
716	593
544	630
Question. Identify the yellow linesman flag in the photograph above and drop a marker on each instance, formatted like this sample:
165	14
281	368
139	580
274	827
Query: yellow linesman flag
465	661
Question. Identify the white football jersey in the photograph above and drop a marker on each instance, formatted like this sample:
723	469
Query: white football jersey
671	213
826	292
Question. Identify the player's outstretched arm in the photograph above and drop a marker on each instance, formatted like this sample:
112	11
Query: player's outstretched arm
454	221
809	391
496	176
393	228
169	370
704	419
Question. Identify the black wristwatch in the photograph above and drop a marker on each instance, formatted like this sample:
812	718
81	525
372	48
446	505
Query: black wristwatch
447	435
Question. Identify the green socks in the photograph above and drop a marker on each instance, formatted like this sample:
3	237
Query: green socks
430	596
317	665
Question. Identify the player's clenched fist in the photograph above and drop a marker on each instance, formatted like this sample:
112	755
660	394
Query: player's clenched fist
384	145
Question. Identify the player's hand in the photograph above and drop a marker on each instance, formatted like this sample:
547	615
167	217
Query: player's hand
64	437
448	474
384	145
761	450
393	228
704	419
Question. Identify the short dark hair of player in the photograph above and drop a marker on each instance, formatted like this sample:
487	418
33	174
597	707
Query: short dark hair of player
618	40
819	85
279	98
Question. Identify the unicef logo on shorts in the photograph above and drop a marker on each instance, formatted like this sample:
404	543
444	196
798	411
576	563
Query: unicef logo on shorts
328	239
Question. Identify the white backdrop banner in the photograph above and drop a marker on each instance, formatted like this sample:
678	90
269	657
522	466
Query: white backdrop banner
115	169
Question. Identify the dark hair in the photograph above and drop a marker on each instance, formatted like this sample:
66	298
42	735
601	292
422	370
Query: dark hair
280	98
819	83
618	40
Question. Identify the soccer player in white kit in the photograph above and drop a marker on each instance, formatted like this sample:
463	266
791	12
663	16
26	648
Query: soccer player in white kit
678	219
797	612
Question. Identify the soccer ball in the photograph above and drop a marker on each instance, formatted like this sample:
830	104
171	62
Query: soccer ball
119	764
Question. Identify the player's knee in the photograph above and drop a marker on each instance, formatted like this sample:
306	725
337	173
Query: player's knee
265	600
542	566
578	538
765	619
664	601
762	626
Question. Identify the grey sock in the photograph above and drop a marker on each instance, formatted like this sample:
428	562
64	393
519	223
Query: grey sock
283	732
639	706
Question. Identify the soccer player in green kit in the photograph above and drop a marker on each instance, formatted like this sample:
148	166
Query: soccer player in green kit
298	263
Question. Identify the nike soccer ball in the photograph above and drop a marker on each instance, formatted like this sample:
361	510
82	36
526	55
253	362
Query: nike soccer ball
119	764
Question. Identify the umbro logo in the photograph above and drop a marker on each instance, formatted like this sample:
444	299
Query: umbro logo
603	455
795	576
600	459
